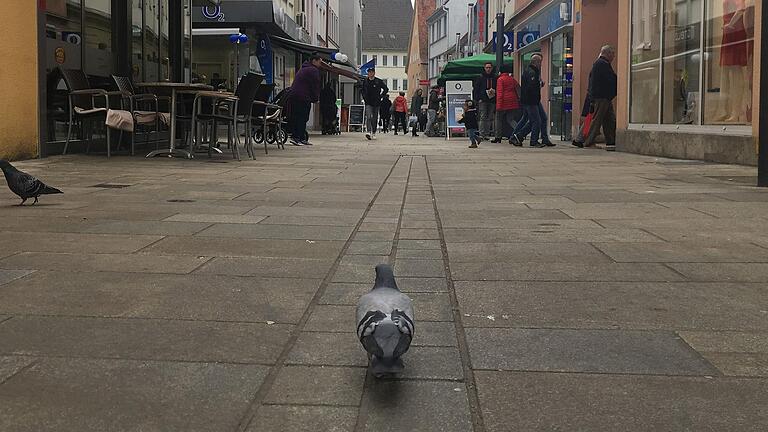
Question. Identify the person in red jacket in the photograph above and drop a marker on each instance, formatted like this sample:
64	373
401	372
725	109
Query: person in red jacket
401	112
508	111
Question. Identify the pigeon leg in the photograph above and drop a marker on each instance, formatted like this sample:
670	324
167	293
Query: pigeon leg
35	201
23	200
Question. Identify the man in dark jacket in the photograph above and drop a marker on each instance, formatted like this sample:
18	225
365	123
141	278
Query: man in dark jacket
385	112
602	91
484	93
535	121
304	92
432	108
374	90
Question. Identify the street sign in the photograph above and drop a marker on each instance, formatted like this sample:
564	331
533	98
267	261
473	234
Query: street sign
526	38
509	41
456	93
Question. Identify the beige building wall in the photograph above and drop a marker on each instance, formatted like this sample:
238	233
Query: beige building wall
19	111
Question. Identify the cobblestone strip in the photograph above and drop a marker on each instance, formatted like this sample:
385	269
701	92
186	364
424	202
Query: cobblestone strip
271	381
469	376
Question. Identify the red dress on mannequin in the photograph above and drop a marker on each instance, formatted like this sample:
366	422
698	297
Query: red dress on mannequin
734	49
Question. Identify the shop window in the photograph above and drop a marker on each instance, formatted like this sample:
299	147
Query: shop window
98	38
645	61
682	62
729	55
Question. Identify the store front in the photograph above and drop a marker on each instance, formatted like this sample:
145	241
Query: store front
690	79
147	40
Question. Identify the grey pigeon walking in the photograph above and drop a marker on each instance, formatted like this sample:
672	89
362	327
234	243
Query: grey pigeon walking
385	323
25	185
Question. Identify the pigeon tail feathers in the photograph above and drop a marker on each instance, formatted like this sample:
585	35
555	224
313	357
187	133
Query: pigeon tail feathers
385	277
47	190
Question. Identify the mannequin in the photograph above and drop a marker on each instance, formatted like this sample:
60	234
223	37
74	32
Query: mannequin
733	64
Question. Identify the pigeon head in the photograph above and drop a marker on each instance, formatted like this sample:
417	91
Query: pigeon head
385	277
5	165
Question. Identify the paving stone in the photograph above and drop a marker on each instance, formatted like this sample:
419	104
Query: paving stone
302	418
378	226
432	363
327	349
435	334
523	253
419	244
71	262
76	243
356	273
7	276
419	234
268	267
306	212
204	297
11	365
367	260
684	252
420	268
725	272
419	224
733	353
554	271
363	236
409	405
542	234
215	218
598	351
231	247
348	221
432	306
283	232
369	248
331	318
147	227
420	253
585	402
344	293
414	285
635	305
318	385
119	395
143	339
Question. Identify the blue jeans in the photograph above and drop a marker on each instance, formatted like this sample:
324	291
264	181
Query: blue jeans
536	123
473	136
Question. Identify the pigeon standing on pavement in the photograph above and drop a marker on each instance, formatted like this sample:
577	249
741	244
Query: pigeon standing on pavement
25	185
385	323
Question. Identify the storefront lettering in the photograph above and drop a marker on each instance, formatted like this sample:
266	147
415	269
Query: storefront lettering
213	13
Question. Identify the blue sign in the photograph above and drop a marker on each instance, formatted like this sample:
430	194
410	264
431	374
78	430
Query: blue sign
509	41
264	54
526	38
364	68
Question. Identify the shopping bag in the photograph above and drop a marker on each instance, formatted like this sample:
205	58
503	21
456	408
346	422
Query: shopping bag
587	124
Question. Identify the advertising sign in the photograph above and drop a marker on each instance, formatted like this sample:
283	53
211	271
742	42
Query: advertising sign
356	116
509	41
264	54
456	93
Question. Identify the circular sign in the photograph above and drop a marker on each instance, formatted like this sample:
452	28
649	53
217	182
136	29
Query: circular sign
529	38
60	55
211	12
458	86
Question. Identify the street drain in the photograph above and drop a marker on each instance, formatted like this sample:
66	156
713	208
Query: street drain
111	186
549	224
181	201
217	161
543	232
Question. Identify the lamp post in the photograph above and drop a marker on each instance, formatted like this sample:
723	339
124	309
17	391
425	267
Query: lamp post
762	157
499	35
237	39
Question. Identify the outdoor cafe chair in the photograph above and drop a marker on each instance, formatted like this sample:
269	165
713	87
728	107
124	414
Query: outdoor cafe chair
230	109
144	109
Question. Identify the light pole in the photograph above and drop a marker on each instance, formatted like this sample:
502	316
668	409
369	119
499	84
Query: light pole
762	157
499	35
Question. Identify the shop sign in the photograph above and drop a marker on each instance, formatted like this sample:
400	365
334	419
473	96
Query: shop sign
456	93
213	13
509	44
264	54
526	38
552	18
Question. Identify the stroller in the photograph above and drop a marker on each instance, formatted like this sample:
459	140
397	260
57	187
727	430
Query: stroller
276	114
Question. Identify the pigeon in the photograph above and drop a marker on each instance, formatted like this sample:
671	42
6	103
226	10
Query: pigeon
385	323
25	185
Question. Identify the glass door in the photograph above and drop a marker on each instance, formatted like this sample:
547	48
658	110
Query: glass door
561	86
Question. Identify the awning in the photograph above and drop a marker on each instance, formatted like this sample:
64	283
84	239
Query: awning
343	71
468	67
326	53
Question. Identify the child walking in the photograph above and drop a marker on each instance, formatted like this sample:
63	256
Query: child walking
470	123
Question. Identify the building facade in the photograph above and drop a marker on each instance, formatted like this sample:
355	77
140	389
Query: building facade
351	43
688	81
446	25
386	38
418	47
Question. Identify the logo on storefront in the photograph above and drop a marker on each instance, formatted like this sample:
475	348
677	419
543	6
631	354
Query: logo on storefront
526	38
60	55
213	13
72	37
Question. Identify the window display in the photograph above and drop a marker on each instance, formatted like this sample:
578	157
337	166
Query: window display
729	47
645	58
682	62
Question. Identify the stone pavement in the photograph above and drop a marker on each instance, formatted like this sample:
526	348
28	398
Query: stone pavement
555	289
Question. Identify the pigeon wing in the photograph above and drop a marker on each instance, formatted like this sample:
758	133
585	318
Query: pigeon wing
25	185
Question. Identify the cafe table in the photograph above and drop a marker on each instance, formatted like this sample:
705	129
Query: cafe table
174	89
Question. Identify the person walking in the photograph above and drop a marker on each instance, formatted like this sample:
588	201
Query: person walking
484	93
602	91
530	100
508	112
385	112
416	102
305	90
374	90
432	109
401	113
